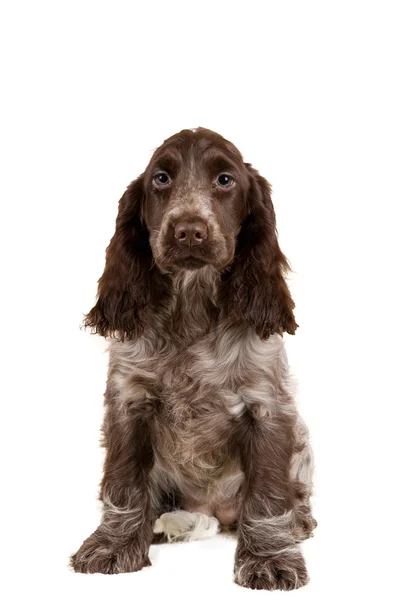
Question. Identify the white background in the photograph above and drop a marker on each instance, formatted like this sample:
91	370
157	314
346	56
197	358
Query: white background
309	92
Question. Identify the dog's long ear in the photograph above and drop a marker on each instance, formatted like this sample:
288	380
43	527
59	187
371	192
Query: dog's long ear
254	287
127	287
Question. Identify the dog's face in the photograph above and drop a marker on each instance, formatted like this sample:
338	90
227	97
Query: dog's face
195	201
196	204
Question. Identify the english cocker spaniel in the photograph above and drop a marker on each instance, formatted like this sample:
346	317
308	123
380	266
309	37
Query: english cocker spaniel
200	428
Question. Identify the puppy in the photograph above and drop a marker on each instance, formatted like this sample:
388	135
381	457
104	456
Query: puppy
200	428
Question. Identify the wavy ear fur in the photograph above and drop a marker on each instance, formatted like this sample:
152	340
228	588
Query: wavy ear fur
254	287
129	284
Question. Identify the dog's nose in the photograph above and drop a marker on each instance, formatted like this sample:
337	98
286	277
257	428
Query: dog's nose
191	234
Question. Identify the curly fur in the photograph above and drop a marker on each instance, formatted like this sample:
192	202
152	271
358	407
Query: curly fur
199	415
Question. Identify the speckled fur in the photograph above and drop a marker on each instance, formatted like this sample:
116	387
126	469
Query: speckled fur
199	414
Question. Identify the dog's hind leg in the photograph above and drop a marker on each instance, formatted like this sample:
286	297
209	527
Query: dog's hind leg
164	503
301	471
182	525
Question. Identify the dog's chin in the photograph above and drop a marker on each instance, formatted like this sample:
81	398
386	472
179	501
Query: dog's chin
193	261
189	263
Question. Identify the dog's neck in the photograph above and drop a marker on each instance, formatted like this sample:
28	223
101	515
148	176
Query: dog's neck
193	306
197	282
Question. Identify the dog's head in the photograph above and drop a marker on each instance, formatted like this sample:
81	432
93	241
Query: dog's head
195	190
196	204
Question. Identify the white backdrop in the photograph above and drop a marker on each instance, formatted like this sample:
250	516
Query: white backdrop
309	92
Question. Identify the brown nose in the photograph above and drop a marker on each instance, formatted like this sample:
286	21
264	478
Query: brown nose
191	234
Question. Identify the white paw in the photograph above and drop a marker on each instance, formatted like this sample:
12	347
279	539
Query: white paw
182	525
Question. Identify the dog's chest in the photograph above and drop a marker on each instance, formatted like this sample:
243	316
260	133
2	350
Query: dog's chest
199	392
196	399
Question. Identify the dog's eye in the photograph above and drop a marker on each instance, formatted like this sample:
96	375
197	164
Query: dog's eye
225	180
161	178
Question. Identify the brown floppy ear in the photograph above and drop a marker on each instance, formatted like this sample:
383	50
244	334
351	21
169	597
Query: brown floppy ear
128	286
254	287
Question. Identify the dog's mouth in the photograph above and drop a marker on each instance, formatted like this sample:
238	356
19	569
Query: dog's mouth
176	256
190	263
179	257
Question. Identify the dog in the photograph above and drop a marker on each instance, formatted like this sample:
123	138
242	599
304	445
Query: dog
200	429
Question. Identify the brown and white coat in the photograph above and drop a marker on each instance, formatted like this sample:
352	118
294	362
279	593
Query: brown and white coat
200	427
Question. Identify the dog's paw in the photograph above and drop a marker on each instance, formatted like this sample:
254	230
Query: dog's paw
100	554
182	525
284	571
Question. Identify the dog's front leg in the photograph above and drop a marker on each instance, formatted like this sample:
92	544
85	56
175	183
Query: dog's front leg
121	542
267	556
